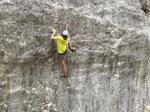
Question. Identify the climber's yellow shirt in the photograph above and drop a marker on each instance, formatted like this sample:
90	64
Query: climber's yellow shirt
61	44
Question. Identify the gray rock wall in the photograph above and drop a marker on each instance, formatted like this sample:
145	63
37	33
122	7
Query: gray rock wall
145	5
109	72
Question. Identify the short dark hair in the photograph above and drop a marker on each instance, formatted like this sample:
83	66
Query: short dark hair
65	37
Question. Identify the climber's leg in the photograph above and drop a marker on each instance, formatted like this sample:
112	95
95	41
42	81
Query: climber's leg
62	59
63	67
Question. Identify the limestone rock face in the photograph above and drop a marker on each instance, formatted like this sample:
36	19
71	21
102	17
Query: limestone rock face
109	72
145	6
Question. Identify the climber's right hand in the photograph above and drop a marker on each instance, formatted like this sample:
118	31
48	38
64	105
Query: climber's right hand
54	31
73	49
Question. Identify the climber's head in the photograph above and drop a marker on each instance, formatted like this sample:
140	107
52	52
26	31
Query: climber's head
65	34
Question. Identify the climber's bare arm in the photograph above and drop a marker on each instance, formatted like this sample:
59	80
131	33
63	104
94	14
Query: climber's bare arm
69	43
71	47
53	37
67	25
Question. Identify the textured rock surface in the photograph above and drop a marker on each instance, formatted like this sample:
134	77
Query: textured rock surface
109	72
145	6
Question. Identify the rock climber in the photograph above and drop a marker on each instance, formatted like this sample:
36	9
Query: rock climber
63	42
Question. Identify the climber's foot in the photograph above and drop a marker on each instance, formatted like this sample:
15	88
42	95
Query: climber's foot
64	76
